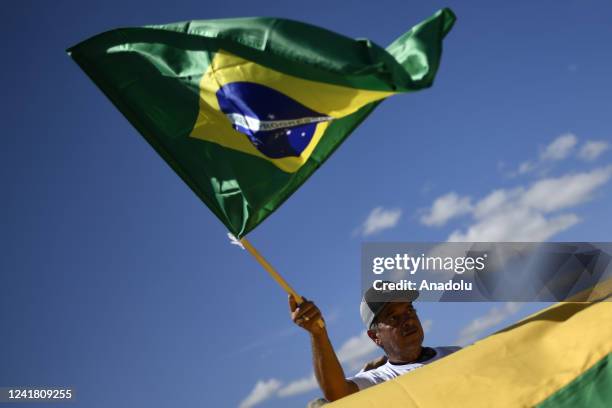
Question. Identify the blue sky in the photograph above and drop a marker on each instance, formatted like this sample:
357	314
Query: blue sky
117	281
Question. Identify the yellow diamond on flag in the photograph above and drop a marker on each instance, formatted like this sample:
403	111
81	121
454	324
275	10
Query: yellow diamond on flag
275	116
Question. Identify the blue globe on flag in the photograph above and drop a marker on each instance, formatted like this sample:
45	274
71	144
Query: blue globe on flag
277	125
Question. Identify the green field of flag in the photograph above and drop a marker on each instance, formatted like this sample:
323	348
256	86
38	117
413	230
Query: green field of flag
245	110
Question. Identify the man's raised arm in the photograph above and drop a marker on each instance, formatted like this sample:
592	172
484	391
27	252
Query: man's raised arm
327	368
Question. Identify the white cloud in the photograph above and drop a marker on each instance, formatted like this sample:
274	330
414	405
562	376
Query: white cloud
525	214
559	148
298	387
494	202
380	219
356	348
446	207
518	225
592	149
481	324
567	191
525	167
261	392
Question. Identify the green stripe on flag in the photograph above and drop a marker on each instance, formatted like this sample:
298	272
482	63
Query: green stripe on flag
592	389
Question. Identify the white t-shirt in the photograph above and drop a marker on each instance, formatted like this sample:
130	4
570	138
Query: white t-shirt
365	379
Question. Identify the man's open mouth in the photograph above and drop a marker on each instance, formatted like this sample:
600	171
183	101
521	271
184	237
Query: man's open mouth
409	332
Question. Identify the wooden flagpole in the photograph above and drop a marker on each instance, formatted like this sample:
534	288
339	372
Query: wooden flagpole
274	274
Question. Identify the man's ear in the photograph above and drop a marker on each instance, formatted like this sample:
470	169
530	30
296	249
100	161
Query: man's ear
373	334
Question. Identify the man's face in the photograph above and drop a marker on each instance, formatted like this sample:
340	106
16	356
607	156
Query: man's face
399	332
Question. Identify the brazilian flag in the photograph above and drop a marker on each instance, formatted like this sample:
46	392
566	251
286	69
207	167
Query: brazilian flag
245	110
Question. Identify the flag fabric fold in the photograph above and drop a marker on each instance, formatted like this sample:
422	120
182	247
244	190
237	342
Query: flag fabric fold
559	357
245	110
